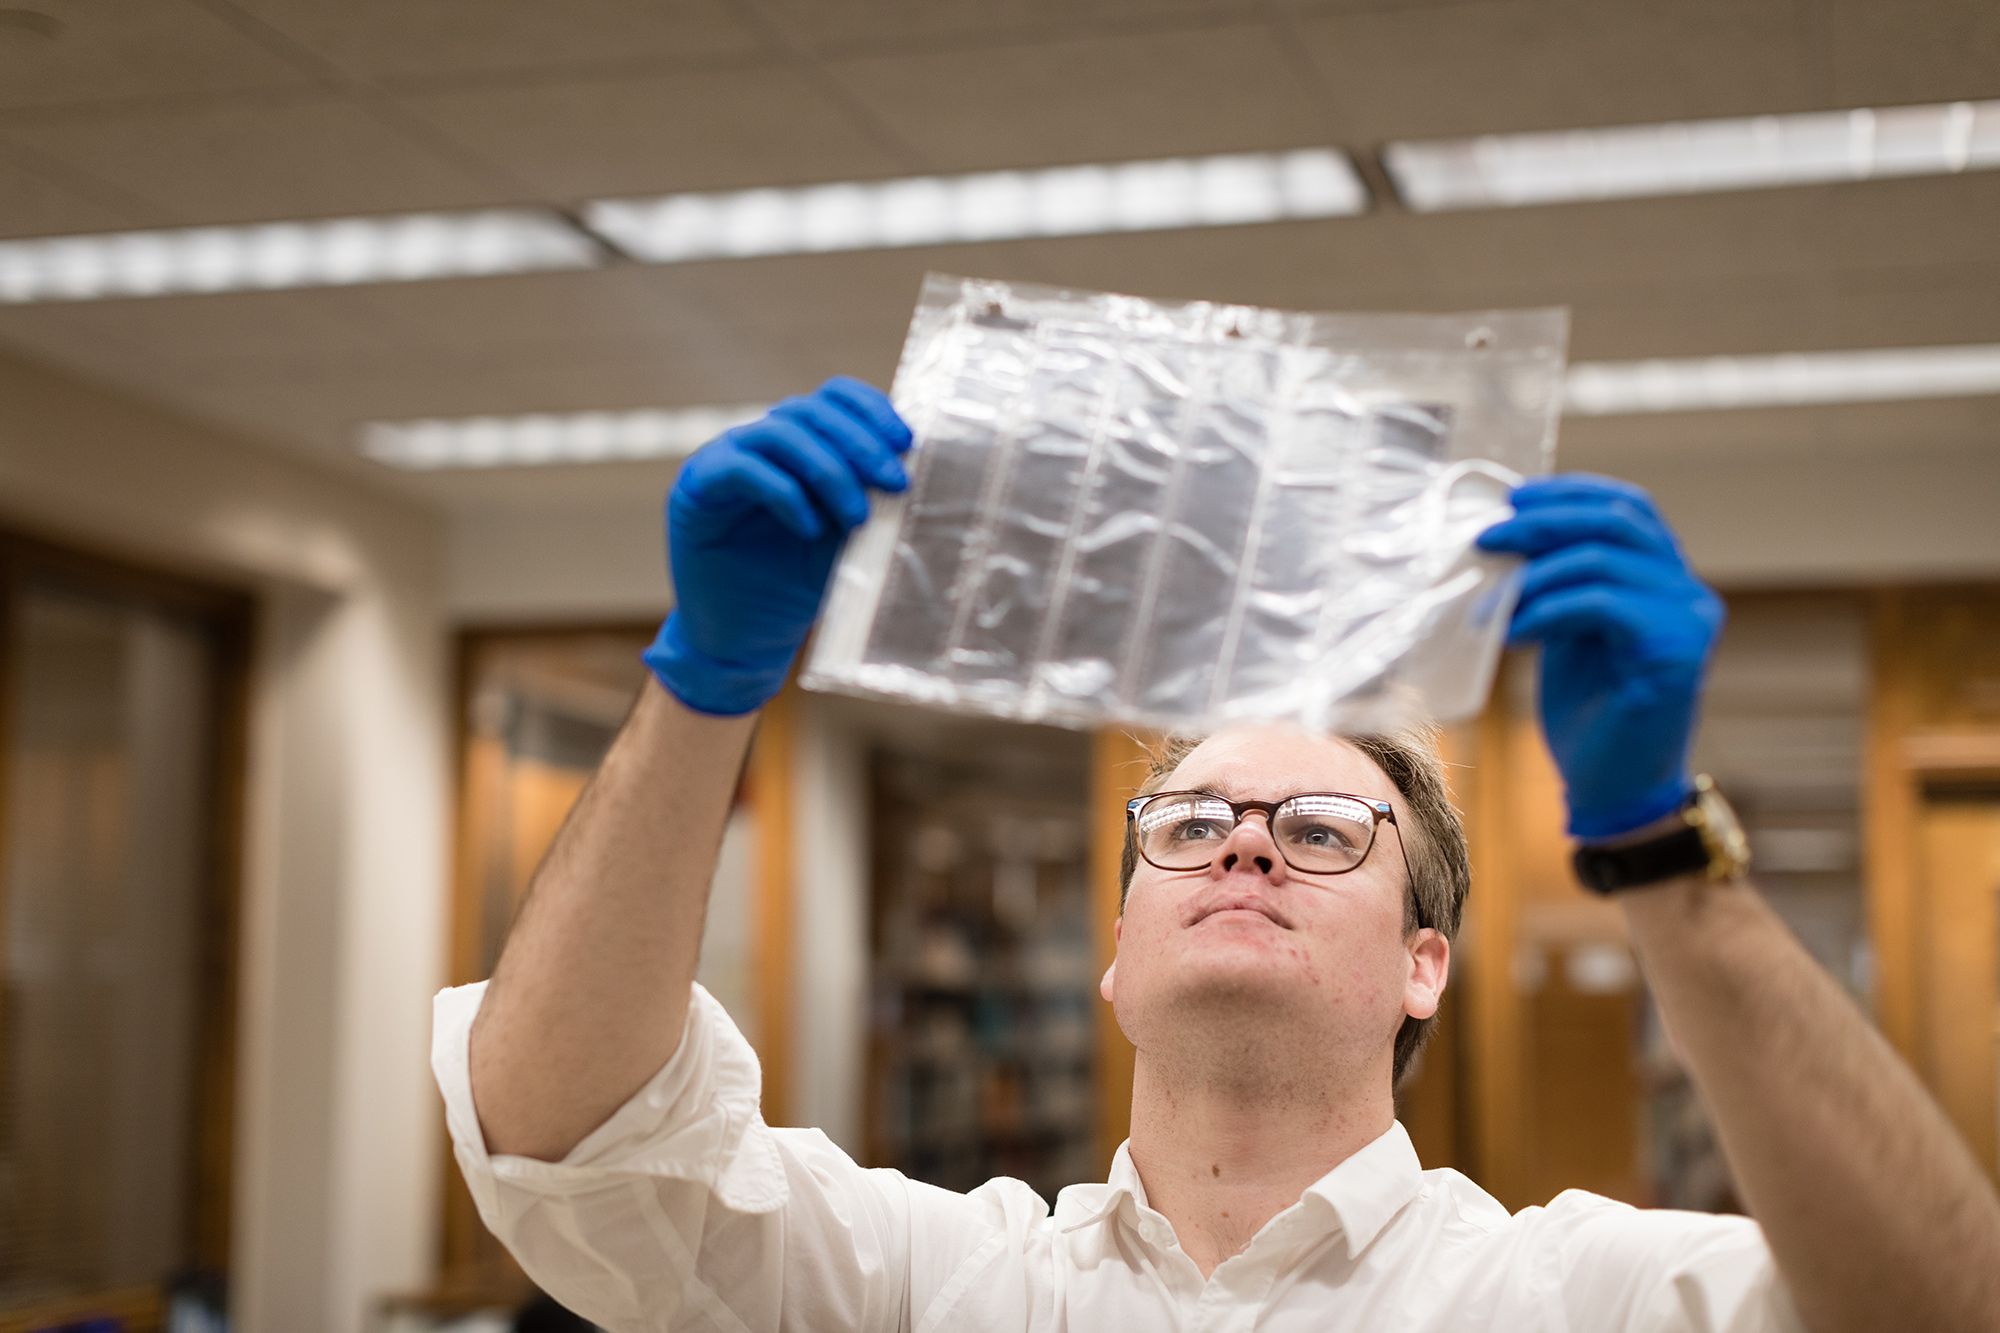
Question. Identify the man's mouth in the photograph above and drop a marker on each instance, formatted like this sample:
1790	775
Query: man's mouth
1216	903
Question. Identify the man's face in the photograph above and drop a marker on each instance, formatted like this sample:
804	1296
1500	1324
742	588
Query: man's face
1249	937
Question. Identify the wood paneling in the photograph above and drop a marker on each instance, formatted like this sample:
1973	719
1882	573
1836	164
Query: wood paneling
1428	1099
771	810
1952	640
1959	841
131	1310
1550	1082
1933	844
1493	1063
1118	763
1889	824
1582	1081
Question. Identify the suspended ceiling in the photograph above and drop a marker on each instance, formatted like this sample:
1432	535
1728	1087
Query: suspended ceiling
180	112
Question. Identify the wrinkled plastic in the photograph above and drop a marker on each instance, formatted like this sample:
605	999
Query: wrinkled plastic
1183	516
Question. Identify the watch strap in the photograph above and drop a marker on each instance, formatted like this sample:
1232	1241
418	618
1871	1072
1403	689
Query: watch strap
1609	869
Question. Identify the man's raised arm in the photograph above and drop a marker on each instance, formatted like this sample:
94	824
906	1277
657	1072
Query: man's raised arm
591	993
1876	1214
1875	1210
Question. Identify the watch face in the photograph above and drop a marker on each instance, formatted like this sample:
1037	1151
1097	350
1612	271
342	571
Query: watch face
1722	831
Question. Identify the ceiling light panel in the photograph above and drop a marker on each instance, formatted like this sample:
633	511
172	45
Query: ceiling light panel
1608	388
1222	191
526	441
270	256
1689	157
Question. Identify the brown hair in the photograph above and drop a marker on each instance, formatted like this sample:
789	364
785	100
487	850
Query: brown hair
1440	870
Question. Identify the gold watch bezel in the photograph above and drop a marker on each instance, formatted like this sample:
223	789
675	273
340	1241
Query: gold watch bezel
1721	831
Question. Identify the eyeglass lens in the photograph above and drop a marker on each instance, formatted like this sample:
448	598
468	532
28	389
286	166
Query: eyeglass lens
1323	833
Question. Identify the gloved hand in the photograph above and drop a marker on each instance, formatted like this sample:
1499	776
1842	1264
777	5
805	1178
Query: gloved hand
1626	631
754	524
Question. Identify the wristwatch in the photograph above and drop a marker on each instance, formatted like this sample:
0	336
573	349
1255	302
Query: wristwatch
1711	842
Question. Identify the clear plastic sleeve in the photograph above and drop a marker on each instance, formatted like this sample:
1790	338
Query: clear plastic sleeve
1183	516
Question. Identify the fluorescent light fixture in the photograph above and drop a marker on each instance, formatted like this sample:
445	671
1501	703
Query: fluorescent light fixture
1695	156
329	253
582	437
1609	388
1222	191
1595	388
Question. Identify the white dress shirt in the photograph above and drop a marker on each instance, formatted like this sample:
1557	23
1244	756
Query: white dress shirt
684	1210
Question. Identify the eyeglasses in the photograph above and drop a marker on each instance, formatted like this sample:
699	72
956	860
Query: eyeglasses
1318	833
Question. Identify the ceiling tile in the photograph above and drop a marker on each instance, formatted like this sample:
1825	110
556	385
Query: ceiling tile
385	328
906	24
1911	51
1555	64
247	159
687	131
848	315
1924	221
421	319
96	348
112	53
809	296
1092	99
322	402
1952	304
868	353
1505	256
1362	263
32	205
1749	240
426	41
177	333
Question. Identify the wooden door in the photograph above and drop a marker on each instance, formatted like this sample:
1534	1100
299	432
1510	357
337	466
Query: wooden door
1959	885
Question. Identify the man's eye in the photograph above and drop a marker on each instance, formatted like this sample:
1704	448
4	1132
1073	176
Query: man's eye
1199	830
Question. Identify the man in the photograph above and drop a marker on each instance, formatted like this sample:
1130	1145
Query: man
1284	940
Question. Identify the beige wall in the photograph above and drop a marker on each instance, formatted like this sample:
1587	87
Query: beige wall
566	562
337	1147
1880	514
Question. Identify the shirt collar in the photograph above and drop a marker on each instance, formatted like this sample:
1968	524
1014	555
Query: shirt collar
1080	1206
1362	1193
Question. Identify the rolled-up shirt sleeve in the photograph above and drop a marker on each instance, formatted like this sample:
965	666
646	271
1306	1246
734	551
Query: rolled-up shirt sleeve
684	1209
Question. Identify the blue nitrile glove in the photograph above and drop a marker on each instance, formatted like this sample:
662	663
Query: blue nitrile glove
1626	630
754	524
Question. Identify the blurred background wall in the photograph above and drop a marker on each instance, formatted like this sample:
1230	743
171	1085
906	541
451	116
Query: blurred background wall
342	785
338	399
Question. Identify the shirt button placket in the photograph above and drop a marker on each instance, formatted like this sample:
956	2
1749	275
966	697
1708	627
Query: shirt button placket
1233	1298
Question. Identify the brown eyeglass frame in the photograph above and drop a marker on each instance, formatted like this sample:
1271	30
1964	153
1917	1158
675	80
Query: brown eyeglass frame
1383	811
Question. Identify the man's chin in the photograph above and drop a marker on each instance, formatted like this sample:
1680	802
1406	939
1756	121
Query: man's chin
1237	976
1221	1012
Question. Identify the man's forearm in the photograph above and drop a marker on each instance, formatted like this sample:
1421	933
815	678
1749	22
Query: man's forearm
591	993
1877	1214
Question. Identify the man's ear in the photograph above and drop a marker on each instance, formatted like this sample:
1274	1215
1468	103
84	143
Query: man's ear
1430	968
1104	986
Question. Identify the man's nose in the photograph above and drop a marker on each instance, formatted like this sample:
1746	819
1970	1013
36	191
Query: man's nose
1249	844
